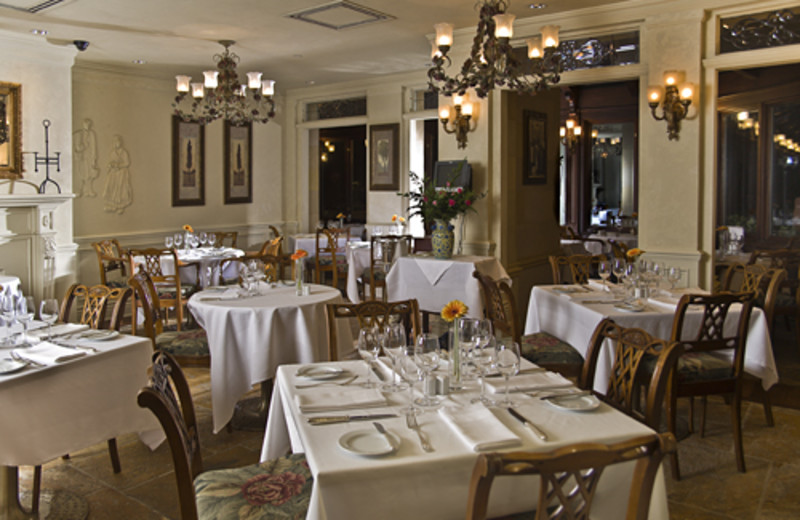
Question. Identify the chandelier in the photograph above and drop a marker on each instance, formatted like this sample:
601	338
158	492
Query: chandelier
491	62
222	96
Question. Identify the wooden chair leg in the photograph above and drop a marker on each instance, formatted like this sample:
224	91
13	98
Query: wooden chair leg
736	418
767	408
114	454
691	415
703	416
37	488
671	427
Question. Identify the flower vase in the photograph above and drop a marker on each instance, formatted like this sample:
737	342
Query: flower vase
442	239
341	223
299	267
455	357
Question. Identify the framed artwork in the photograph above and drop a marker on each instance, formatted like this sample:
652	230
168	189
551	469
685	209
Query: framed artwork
188	163
238	163
384	157
534	143
10	131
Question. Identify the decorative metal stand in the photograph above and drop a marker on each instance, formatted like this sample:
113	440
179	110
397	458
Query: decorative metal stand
47	160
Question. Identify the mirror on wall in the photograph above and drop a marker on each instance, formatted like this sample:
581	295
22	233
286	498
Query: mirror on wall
612	173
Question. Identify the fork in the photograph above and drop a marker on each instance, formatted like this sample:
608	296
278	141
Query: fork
411	422
27	361
336	383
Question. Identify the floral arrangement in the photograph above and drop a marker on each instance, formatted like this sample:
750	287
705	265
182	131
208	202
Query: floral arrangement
300	253
434	203
188	228
340	215
454	309
722	228
634	253
396	218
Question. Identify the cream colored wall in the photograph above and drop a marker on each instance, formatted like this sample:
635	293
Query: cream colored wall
138	109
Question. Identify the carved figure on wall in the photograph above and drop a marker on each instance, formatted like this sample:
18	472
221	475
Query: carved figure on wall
85	148
118	192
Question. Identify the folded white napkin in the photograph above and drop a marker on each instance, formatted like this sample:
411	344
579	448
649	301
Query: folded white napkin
47	353
231	293
477	426
433	269
529	382
58	330
663	303
596	285
330	399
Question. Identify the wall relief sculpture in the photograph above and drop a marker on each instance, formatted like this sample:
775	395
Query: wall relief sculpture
118	191
84	147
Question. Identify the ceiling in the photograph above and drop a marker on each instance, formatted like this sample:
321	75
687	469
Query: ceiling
179	36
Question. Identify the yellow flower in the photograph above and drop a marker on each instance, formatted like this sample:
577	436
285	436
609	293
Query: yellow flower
634	252
394	218
635	215
722	228
454	309
340	215
401	219
188	228
300	253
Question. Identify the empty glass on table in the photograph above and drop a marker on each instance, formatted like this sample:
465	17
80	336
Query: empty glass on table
427	356
407	369
26	310
48	313
507	364
467	336
483	357
9	309
368	348
394	343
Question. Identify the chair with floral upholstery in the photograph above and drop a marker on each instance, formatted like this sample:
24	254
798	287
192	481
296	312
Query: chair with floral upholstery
172	293
384	249
279	488
786	299
541	348
112	260
189	347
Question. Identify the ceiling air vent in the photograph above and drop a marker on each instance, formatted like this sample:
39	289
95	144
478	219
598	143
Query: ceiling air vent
340	15
30	6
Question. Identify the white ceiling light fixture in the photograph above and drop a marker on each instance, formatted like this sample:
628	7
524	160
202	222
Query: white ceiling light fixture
340	15
222	96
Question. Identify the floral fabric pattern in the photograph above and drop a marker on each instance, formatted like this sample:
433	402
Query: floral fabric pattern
543	348
184	343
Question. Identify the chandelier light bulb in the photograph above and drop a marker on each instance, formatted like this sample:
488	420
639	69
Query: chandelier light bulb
466	109
444	34
686	92
268	87
577	131
654	95
444	113
458	100
535	47
550	36
254	80
197	90
570	123
562	131
742	116
211	80
504	25
183	83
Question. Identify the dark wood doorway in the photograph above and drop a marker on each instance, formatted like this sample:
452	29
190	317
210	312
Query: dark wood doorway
343	173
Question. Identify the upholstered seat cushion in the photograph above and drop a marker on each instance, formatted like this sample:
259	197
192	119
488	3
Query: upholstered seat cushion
696	367
279	488
380	275
543	348
185	343
114	284
341	262
168	292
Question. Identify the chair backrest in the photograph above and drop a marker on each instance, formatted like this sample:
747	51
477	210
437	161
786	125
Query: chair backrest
177	418
225	238
270	264
710	333
110	257
568	476
328	241
765	282
618	249
567	232
370	313
579	267
384	250
499	306
95	302
147	296
633	349
275	231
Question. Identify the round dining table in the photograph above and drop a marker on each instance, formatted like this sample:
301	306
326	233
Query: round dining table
249	337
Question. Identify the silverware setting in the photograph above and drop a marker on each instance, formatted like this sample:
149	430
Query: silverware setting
524	420
411	422
565	395
75	347
336	419
382	431
522	372
28	362
330	383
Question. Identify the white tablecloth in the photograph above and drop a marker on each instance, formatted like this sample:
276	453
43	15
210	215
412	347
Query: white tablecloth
414	484
435	282
358	260
249	338
308	242
204	257
9	282
625	238
567	318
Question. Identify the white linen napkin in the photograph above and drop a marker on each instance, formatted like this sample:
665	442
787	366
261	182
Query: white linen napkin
529	382
433	269
61	329
231	293
596	285
330	399
47	353
663	303
477	426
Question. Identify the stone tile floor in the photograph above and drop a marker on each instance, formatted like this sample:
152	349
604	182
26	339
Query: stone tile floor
711	488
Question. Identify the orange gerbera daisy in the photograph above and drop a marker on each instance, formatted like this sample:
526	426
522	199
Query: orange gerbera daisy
188	228
454	309
634	252
340	215
300	253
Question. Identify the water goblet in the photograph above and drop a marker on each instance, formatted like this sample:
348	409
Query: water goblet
368	348
507	363
9	315
467	336
483	356
411	373
673	276
48	313
394	343
212	240
427	355
202	238
177	238
26	310
618	268
168	241
604	270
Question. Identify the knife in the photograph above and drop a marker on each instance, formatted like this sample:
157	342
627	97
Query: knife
532	370
539	433
333	419
378	373
566	395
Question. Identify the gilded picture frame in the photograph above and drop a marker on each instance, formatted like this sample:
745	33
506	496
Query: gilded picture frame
238	163
188	163
10	131
384	157
534	144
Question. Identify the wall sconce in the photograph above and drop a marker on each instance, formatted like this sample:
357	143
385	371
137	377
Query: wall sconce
571	132
674	105
460	122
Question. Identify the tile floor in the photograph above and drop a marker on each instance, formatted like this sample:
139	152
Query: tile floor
711	488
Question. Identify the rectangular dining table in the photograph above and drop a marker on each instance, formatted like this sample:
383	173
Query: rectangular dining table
412	483
572	312
53	410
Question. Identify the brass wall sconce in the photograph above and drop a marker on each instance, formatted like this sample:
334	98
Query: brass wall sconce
675	104
571	132
460	121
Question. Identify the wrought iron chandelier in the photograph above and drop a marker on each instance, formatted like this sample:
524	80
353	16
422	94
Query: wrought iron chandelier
222	96
492	62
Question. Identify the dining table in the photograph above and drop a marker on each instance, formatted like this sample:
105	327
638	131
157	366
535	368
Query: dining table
361	473
308	242
251	335
208	260
572	312
9	283
59	405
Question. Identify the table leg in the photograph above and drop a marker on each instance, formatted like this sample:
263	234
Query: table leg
251	414
10	506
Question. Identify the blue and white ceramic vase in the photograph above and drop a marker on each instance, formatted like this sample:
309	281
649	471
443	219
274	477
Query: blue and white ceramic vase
442	239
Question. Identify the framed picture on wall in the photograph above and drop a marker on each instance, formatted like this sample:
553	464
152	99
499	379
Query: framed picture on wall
534	143
10	131
188	163
384	156
238	163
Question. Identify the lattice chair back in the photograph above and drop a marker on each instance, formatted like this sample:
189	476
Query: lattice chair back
711	335
225	238
764	282
147	296
111	257
579	267
499	306
96	300
569	476
369	314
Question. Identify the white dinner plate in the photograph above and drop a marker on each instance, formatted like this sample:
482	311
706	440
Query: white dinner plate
9	366
580	403
99	335
629	307
320	372
369	443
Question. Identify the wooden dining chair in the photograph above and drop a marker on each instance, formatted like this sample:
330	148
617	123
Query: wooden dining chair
579	268
618	249
225	493
189	347
384	250
763	281
642	369
225	239
330	256
172	293
112	259
368	314
701	371
268	263
569	476
786	301
541	348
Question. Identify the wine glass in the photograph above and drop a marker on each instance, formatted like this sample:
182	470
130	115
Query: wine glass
212	240
48	313
368	348
168	241
618	268
177	239
467	336
394	343
9	315
202	237
507	363
411	373
427	355
604	270
483	356
26	310
673	276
